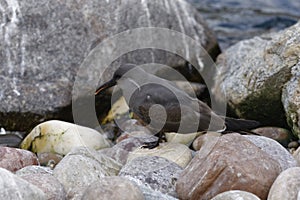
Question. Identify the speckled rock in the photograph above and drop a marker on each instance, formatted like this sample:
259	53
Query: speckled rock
14	159
230	163
254	72
177	153
151	194
275	150
236	195
152	171
46	41
61	137
82	166
286	186
50	185
120	151
113	187
291	98
34	169
14	187
281	135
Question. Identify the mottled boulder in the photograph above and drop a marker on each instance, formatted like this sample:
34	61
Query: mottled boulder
154	172
50	185
275	150
113	187
44	43
291	98
14	187
286	185
230	163
81	167
253	73
61	137
236	194
14	159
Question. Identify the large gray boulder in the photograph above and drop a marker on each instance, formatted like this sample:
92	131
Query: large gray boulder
44	42
253	73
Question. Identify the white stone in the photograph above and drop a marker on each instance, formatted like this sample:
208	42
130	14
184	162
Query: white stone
60	137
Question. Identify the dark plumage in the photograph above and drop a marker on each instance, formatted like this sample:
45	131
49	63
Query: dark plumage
143	93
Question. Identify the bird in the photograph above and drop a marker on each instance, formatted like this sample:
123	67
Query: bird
163	107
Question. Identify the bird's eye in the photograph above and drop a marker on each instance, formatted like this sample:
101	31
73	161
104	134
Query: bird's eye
148	97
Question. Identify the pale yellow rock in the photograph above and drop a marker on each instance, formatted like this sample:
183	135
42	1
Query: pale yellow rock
60	137
175	152
185	139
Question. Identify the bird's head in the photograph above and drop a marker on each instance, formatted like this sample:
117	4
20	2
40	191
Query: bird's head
119	73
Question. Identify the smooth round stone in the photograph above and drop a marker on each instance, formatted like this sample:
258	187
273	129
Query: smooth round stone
50	185
113	187
175	152
236	195
152	171
81	167
14	187
296	155
286	185
275	150
14	159
60	137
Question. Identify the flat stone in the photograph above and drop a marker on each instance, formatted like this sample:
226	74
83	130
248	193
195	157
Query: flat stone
14	187
275	150
113	187
154	172
81	167
286	185
175	152
14	159
61	137
230	163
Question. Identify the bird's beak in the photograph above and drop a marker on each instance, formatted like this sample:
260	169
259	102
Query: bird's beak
106	85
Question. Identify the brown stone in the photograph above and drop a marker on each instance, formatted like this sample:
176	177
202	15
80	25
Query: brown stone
14	159
229	163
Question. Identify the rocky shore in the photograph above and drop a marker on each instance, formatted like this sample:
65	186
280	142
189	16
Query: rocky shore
45	155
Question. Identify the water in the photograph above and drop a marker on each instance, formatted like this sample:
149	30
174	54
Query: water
235	20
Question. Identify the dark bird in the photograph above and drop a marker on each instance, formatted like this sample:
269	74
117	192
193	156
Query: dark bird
165	108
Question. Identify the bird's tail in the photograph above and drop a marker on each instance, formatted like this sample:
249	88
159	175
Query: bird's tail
233	124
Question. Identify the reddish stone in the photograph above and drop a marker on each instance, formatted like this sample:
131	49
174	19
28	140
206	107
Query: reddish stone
14	159
230	163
